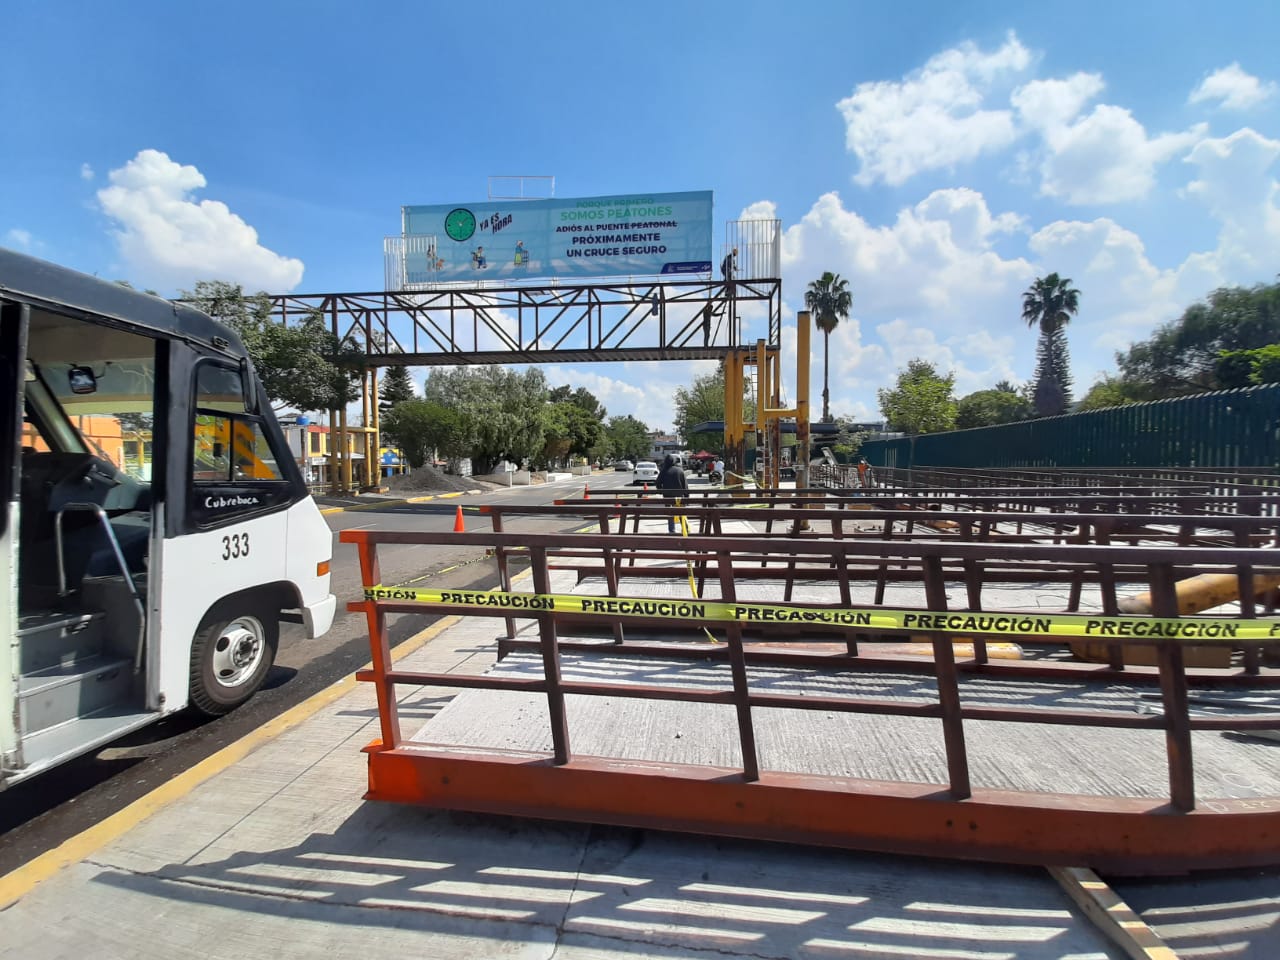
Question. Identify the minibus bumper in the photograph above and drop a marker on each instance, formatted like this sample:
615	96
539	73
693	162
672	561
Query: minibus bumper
317	618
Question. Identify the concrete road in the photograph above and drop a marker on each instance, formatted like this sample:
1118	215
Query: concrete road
39	814
437	566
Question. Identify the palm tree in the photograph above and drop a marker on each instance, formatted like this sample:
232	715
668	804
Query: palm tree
1050	303
829	300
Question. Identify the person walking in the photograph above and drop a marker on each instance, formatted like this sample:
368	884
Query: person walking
865	478
671	481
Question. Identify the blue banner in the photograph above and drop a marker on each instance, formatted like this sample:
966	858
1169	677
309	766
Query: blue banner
626	235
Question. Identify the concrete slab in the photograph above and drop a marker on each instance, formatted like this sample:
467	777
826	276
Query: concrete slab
279	855
1231	915
1013	756
1094	761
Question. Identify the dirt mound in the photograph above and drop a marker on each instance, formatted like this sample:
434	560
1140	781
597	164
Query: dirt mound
426	479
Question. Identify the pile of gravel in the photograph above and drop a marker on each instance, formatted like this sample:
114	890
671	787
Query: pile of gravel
428	478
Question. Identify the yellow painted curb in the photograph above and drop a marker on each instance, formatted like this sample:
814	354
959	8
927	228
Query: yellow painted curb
325	511
18	883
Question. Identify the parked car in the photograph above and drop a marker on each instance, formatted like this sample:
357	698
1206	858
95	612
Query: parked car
624	465
646	472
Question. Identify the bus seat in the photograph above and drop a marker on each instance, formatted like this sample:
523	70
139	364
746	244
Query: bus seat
85	547
132	532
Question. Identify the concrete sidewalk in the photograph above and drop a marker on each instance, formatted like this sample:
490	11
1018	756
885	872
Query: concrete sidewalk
268	849
275	853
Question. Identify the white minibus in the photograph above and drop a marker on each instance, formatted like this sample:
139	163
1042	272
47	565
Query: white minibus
154	530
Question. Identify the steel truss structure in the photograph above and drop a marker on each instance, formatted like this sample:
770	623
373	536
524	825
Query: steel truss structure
548	323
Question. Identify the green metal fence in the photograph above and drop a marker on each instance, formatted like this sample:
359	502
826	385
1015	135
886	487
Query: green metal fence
1232	428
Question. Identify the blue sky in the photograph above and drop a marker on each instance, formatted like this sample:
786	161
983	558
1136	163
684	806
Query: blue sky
938	156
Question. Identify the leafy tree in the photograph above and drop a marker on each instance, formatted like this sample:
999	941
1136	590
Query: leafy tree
571	430
845	448
829	300
1050	303
628	438
986	408
1246	368
1187	355
582	398
346	360
503	412
1051	389
921	401
701	401
421	427
396	387
575	425
1233	369
1107	392
1266	364
303	366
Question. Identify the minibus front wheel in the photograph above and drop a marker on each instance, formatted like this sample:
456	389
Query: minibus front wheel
230	657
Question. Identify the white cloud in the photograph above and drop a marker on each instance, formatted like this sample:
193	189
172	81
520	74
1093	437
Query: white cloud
1045	104
933	269
1122	293
1106	156
168	239
86	172
906	342
853	363
1233	89
946	113
18	239
933	117
965	212
935	254
760	210
985	360
613	393
1236	185
936	282
977	358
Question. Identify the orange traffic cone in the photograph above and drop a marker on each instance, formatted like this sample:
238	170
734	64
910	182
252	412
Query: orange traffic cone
586	491
458	525
646	488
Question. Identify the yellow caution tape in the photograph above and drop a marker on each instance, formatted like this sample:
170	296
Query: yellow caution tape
693	584
1066	626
